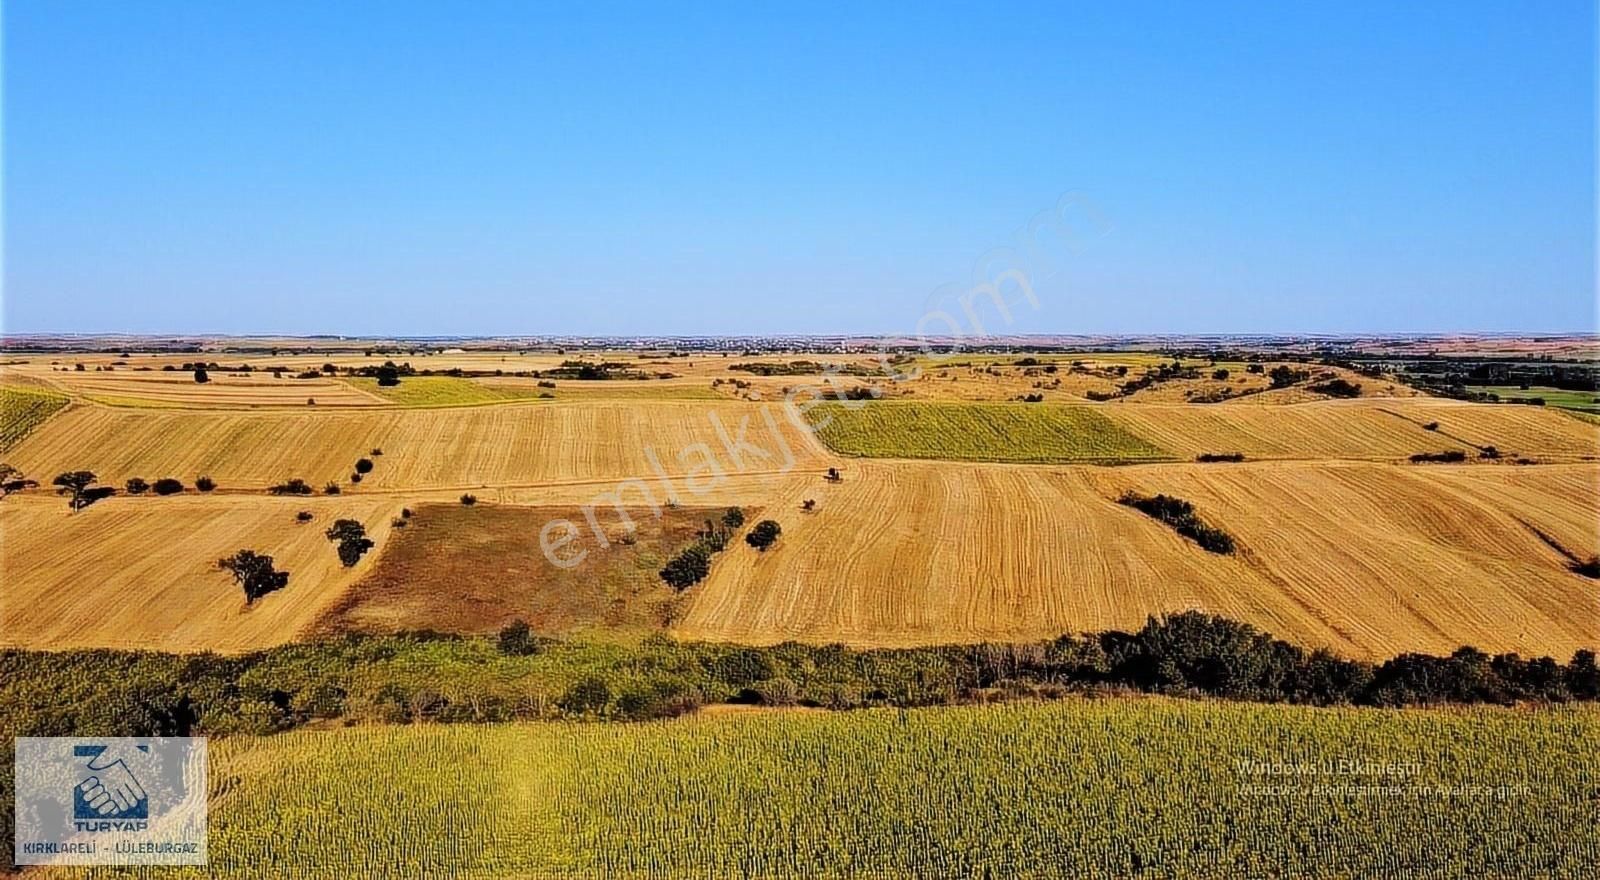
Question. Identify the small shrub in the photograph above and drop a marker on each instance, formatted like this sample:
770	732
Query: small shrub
355	478
1220	375
1207	457
808	505
136	486
363	465
517	640
763	535
1450	456
204	483
468	499
167	486
1589	568
375	452
733	518
200	376
330	489
303	516
1180	516
1431	426
1336	388
405	513
311	401
295	486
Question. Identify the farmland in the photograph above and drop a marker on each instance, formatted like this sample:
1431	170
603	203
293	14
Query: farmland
474	570
977	432
441	391
1583	401
919	553
141	572
22	410
1173	788
504	445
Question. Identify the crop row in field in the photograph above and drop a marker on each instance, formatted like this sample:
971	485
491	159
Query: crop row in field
1001	432
1115	787
23	409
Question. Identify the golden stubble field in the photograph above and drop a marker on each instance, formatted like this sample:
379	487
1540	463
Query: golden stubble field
1367	558
140	573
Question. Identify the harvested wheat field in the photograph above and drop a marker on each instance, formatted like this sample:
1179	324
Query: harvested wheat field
221	390
1358	429
1368	559
140	573
462	448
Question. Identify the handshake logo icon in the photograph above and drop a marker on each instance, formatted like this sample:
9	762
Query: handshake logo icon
108	790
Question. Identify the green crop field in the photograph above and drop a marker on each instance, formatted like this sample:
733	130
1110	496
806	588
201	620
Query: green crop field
1110	787
438	391
1006	432
442	391
23	409
1583	401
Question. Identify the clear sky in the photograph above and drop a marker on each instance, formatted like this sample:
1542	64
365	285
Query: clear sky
506	168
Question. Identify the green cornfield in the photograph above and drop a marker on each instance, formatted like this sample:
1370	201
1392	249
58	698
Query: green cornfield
1077	788
23	409
1004	432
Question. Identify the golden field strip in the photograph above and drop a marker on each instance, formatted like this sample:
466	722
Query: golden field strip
1342	542
1369	559
480	446
140	573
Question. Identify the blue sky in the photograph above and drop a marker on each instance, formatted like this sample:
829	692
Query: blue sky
499	168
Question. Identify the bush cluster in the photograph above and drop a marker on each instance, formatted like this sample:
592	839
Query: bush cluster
430	677
1180	515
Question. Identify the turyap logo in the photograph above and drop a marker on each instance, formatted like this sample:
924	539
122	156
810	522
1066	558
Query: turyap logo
109	791
110	801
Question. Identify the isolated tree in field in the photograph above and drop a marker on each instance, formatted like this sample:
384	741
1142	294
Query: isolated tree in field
167	486
12	480
363	465
388	374
352	539
254	573
200	375
75	484
136	486
205	483
764	533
